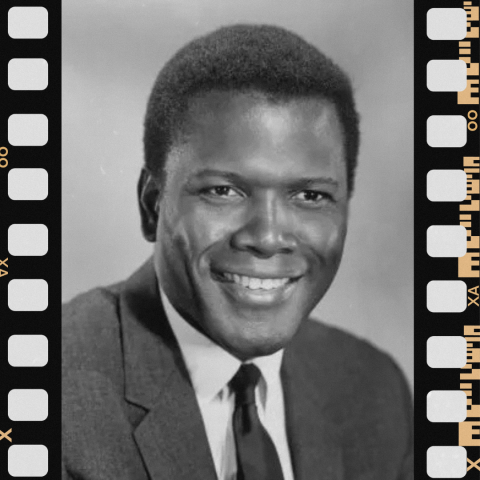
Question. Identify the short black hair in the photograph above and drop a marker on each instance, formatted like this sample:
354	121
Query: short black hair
246	58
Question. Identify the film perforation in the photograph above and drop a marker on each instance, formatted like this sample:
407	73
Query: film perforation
30	168
447	328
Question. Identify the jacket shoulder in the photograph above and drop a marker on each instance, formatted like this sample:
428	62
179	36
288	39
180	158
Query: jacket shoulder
357	373
348	354
91	338
369	400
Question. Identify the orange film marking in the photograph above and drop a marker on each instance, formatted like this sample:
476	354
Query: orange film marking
473	465
5	435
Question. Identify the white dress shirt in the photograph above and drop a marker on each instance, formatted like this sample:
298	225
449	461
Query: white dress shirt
211	368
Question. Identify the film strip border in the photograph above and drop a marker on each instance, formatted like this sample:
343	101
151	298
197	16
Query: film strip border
30	254
447	321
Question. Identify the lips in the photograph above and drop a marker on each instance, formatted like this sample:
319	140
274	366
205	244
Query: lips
255	283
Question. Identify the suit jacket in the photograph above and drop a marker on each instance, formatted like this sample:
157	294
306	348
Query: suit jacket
130	412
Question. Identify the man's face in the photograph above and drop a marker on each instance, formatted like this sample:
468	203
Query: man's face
253	217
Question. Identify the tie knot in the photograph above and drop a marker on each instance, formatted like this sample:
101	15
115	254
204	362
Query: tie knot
244	382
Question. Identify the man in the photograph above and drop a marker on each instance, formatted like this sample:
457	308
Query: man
204	364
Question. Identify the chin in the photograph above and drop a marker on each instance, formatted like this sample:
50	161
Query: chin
248	348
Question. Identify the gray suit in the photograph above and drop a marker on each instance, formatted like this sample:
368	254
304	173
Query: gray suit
130	412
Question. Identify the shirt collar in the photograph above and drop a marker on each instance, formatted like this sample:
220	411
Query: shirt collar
209	365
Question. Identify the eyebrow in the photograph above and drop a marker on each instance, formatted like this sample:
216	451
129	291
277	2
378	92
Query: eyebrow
210	172
309	182
296	183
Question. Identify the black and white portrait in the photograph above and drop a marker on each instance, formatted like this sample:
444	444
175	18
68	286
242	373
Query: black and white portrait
237	240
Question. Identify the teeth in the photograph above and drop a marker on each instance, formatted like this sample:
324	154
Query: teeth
256	283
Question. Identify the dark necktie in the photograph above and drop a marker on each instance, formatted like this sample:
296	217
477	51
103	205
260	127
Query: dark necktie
257	458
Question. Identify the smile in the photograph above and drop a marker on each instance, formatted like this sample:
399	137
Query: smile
254	283
256	291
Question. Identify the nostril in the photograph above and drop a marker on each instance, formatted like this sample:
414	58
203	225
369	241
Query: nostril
263	248
263	243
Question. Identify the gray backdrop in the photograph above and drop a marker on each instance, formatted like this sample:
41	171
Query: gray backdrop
112	51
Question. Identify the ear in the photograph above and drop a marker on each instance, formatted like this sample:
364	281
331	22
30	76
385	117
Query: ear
148	197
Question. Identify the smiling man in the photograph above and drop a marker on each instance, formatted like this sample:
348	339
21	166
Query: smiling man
204	364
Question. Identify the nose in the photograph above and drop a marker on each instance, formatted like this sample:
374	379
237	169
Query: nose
267	231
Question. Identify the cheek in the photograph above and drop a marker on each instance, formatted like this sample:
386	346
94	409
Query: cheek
336	239
324	236
172	236
194	230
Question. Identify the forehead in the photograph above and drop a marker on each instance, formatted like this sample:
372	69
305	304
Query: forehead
217	109
242	130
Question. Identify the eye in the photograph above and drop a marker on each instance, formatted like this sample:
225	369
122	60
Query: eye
310	196
221	192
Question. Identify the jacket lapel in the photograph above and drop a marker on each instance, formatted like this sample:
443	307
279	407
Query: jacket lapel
313	437
170	436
